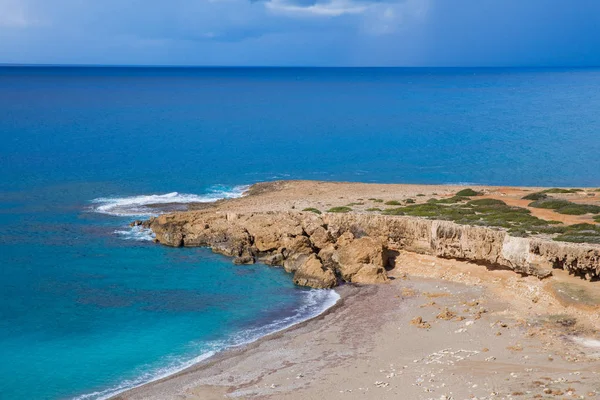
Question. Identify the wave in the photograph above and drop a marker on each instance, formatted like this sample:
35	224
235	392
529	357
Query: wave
150	205
137	233
314	303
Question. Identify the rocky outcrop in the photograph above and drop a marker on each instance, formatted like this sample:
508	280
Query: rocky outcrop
321	250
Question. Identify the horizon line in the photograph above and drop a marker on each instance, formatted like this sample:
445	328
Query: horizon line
18	65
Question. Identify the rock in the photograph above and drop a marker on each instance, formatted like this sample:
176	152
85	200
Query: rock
355	246
295	261
243	260
327	257
345	238
446	315
137	222
320	238
273	259
360	260
370	274
419	323
312	273
290	245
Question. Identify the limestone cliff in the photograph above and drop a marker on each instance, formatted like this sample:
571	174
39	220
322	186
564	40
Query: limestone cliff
321	250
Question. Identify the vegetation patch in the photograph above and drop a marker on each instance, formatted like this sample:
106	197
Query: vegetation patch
312	209
392	203
482	212
373	209
486	202
468	193
580	233
420	195
451	200
354	204
597	218
410	201
566	207
563	191
535	196
342	209
377	200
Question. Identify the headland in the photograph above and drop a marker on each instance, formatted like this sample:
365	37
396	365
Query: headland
447	291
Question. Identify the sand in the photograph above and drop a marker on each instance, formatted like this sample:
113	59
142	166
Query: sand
441	329
297	195
506	339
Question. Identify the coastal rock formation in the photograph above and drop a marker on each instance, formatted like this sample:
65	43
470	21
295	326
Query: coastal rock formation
321	250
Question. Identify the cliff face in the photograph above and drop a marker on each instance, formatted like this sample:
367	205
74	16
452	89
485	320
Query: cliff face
322	250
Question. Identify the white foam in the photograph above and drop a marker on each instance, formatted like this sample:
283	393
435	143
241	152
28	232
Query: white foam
137	206
315	302
137	233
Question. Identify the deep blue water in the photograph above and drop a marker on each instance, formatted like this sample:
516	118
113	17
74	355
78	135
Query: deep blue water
85	307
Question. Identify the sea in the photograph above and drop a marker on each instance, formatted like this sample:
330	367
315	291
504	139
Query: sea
90	307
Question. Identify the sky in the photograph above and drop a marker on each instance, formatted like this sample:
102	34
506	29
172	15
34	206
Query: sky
301	32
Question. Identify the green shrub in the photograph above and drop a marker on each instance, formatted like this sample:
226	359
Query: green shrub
342	209
373	209
566	207
580	233
420	195
354	204
452	200
579	209
550	204
483	212
312	209
535	196
392	203
559	190
410	201
518	232
486	202
468	193
597	218
377	200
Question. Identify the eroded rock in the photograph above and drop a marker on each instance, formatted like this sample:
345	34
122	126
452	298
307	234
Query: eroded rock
312	273
354	247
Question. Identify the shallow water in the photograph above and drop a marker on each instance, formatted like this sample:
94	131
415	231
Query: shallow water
90	306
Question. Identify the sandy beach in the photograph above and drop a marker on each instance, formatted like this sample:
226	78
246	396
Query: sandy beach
438	329
484	334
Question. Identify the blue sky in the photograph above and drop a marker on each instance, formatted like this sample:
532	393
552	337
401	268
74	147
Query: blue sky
302	32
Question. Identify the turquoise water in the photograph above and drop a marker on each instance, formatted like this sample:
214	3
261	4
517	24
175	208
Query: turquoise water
89	307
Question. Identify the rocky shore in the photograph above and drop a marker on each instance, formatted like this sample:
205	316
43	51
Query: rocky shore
323	250
465	312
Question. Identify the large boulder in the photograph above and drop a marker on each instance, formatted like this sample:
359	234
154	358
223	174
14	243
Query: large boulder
361	260
320	238
312	273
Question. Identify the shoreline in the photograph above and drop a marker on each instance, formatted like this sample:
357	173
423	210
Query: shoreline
206	380
343	292
207	361
476	327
